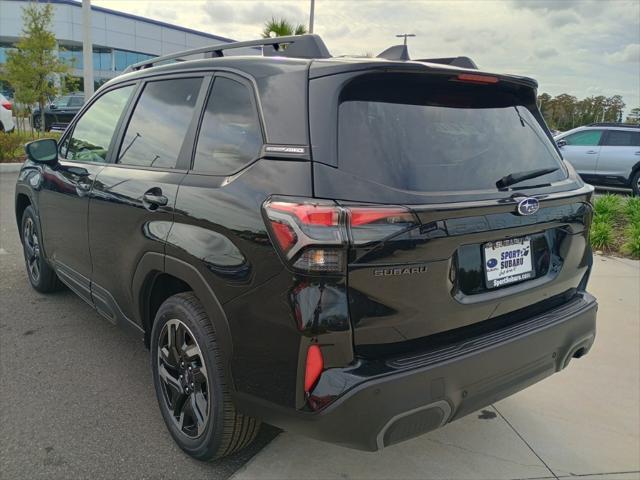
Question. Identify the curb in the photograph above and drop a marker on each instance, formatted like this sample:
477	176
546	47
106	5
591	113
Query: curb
10	167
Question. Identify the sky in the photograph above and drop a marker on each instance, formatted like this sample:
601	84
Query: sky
579	47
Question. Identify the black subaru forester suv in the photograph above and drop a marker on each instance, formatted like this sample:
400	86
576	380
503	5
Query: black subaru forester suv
358	250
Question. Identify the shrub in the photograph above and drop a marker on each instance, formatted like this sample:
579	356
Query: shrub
601	233
632	209
10	146
632	244
608	207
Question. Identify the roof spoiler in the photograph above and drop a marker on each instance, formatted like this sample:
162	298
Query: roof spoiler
396	52
401	53
293	46
462	62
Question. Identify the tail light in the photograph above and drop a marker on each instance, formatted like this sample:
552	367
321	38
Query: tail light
476	78
314	236
6	105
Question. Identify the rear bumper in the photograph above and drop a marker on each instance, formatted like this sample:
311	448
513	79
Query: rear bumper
421	393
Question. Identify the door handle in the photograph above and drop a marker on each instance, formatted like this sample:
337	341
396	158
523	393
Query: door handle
590	152
637	153
155	199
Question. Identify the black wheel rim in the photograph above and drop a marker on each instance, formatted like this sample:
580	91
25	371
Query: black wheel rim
31	249
183	378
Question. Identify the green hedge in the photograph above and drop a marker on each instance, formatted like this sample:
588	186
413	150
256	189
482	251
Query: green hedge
12	145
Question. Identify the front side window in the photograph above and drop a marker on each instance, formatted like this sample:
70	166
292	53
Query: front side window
587	138
621	138
230	136
159	123
93	132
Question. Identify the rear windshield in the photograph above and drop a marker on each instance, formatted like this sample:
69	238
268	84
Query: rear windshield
440	136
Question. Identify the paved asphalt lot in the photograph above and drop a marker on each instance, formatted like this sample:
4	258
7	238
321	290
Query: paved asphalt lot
76	401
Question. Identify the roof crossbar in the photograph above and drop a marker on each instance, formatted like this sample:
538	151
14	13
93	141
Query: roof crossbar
293	46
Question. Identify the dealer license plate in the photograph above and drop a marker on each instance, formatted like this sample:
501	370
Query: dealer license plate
507	261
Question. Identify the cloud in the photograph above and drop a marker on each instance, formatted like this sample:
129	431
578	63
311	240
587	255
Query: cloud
629	54
569	46
562	18
546	52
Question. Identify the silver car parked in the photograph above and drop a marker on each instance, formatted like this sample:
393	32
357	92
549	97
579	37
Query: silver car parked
606	154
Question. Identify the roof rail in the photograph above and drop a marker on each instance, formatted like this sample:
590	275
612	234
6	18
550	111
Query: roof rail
294	46
462	62
613	124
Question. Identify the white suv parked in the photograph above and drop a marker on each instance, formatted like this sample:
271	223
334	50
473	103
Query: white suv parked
6	115
606	154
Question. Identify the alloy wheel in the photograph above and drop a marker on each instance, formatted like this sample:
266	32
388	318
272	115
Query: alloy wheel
32	249
183	378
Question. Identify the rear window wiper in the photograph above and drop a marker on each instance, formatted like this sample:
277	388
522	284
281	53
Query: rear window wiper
518	177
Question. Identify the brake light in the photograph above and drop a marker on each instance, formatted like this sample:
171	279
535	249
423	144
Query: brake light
315	235
7	105
314	367
476	78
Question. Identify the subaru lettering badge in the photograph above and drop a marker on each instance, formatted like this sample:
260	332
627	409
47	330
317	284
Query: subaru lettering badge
528	206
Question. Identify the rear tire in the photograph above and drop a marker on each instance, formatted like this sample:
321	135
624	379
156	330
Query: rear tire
189	380
635	184
41	276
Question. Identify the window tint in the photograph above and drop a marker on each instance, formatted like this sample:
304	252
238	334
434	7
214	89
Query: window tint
585	138
92	133
159	123
408	133
621	138
230	135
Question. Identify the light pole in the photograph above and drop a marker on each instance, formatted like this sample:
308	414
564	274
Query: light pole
87	49
405	35
311	12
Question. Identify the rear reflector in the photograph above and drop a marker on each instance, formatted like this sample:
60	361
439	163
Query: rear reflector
315	364
475	78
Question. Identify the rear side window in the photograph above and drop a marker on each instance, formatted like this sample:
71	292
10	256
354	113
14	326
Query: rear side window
230	136
159	123
93	132
414	134
587	138
621	138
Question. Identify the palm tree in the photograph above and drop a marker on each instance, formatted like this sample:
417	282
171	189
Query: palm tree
282	28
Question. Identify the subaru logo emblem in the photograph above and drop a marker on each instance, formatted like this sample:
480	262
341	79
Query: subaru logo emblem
528	206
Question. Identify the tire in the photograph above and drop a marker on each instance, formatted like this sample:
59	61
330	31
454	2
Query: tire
41	276
185	390
635	184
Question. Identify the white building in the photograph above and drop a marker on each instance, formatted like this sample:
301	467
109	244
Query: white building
119	39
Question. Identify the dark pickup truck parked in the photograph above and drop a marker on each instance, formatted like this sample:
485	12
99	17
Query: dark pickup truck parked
359	250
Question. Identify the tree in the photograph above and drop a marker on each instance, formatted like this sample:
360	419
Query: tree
33	64
282	28
634	116
565	112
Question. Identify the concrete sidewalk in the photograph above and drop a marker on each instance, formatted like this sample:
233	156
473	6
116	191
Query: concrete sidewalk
584	421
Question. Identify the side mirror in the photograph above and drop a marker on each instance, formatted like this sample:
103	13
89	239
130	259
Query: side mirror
44	150
561	143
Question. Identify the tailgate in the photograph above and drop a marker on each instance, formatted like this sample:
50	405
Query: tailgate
433	279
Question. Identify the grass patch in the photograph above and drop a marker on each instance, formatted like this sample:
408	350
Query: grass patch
601	234
632	243
616	225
